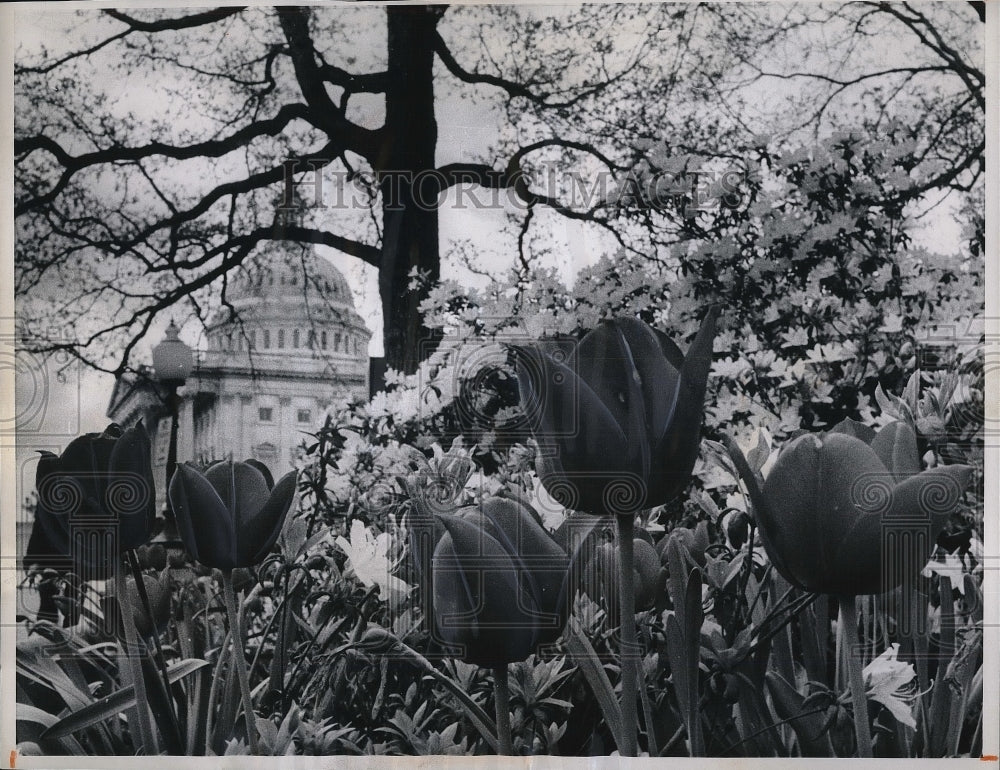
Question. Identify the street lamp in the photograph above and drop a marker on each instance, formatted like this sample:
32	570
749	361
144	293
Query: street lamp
172	363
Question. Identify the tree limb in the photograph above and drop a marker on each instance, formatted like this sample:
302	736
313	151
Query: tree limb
211	149
182	22
324	113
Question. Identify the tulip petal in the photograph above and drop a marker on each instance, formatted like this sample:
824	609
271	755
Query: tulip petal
203	520
542	562
564	410
264	471
850	427
241	487
680	437
896	445
257	536
903	537
856	565
55	502
931	496
86	458
454	601
131	461
603	360
659	376
816	491
570	411
48	544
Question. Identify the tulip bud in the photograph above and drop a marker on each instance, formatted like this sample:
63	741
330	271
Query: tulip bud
693	541
177	559
737	529
157	556
846	517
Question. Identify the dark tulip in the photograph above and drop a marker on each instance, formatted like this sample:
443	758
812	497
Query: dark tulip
158	592
618	417
601	574
835	505
694	541
142	556
157	556
737	528
499	583
227	517
95	501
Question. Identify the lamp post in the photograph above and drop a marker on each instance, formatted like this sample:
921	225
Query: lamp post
172	363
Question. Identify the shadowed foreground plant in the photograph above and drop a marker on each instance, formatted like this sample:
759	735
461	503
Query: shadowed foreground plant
618	421
96	502
835	507
231	517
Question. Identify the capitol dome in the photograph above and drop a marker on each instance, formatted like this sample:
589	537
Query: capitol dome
287	309
285	345
292	277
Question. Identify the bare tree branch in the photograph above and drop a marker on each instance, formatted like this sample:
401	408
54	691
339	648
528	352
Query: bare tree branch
211	149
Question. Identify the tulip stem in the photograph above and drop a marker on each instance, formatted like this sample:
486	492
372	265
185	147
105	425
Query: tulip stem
238	639
502	697
132	652
852	649
629	647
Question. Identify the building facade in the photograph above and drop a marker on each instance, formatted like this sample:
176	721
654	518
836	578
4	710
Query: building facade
286	344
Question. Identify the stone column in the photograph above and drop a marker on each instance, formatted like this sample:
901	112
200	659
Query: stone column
185	429
286	427
245	415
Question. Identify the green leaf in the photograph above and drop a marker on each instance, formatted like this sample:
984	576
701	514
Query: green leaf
29	713
583	654
114	703
758	455
810	728
379	638
683	632
45	671
893	406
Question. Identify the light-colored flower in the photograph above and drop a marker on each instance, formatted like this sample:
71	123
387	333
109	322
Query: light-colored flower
552	512
890	681
949	566
368	558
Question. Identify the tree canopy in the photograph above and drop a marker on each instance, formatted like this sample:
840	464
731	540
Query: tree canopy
152	151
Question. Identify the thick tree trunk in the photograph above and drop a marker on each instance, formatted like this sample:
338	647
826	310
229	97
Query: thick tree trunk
409	186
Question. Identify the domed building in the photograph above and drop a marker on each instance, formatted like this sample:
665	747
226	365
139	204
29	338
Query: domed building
286	343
